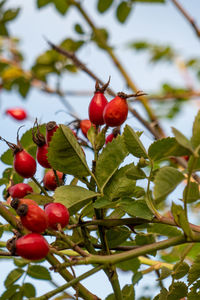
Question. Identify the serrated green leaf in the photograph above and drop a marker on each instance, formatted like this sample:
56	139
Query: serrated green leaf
28	290
38	272
103	5
112	156
119	185
136	208
182	140
180	270
165	148
17	296
40	199
195	140
135	173
194	293
7	157
104	202
145	239
163	229
123	11
180	219
13	276
128	292
133	143
194	272
165	272
116	236
129	265
177	290
193	192
73	197
166	180
66	155
162	295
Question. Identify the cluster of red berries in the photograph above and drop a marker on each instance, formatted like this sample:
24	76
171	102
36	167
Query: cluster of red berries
33	245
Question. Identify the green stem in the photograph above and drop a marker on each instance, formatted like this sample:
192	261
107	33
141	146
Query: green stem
66	285
155	263
84	293
116	258
56	176
148	198
40	186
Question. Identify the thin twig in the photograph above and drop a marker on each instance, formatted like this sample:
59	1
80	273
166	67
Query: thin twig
187	17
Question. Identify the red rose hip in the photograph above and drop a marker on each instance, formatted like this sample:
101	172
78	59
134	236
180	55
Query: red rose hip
32	246
20	190
56	213
49	179
51	127
17	113
116	111
24	164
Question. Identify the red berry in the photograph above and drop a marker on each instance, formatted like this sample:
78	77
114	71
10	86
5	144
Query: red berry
116	111
186	157
49	179
20	190
24	164
85	126
32	246
17	113
109	138
32	217
51	127
42	156
56	213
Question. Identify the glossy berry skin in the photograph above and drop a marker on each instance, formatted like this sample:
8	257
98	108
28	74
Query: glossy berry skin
109	138
96	108
186	157
50	129
115	112
15	203
85	126
32	246
24	164
49	180
17	113
42	156
56	213
20	190
35	219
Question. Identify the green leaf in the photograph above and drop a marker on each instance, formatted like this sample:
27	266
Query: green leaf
40	199
150	1
177	291
180	270
41	3
116	236
137	277
73	197
10	15
129	265
7	157
119	185
66	155
194	291
38	272
136	208
123	11
166	180
180	219
112	156
61	6
13	276
128	292
135	173
182	140
71	45
165	148
103	5
165	272
10	291
193	192
195	140
164	230
194	272
78	28
20	262
133	143
28	290
145	239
